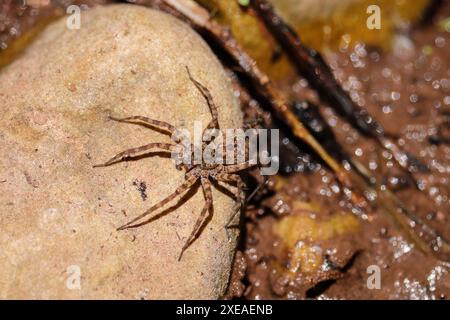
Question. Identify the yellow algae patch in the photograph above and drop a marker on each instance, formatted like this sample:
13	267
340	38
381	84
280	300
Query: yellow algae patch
295	228
300	232
345	22
298	206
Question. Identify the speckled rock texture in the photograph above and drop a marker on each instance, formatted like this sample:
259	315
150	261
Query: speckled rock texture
58	214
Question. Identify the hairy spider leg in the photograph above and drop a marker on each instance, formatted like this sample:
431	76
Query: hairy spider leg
214	124
167	128
255	191
134	152
239	194
206	211
238	167
147	121
181	189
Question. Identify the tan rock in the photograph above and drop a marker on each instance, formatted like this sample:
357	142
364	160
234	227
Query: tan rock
58	215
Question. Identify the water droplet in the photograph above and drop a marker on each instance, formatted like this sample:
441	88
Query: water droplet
436	85
386	72
387	109
359	152
395	95
447	100
413	98
439	42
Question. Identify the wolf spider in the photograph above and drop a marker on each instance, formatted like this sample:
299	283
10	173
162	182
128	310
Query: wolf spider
203	172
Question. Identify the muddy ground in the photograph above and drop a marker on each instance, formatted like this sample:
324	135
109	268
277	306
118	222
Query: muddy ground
407	90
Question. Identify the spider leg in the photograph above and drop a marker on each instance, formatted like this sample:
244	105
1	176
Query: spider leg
147	121
182	188
239	167
214	124
254	192
233	178
240	197
135	152
206	185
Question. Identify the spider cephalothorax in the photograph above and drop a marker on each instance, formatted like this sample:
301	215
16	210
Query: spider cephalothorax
205	173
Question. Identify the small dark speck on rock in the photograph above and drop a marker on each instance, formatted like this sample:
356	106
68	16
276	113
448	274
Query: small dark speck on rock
142	188
30	180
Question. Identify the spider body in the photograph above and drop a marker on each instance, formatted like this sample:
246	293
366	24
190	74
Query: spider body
204	173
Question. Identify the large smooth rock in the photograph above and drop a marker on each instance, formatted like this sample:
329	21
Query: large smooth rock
58	215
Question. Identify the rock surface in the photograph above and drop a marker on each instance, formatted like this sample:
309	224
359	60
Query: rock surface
58	215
